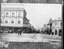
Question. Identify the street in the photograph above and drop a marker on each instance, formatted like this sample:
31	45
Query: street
29	41
14	37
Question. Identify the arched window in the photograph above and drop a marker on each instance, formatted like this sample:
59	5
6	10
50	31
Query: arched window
55	32
18	22
6	21
12	14
60	32
12	22
6	14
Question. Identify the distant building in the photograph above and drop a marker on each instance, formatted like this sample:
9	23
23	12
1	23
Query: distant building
56	26
43	29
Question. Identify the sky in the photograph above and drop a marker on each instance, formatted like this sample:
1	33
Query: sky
39	14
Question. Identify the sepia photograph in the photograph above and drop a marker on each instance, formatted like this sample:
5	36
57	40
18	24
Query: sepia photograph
25	24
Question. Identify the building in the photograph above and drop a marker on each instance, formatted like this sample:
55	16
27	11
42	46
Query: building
13	18
56	27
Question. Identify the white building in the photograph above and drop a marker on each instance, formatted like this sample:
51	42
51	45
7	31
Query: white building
57	27
13	16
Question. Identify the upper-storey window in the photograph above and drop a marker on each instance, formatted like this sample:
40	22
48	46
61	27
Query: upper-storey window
12	22
6	21
55	32
19	22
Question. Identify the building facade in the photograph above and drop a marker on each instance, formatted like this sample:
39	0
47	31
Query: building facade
57	27
13	18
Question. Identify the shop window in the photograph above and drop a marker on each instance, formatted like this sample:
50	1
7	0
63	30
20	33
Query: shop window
55	32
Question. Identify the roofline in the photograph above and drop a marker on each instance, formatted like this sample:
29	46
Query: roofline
56	20
53	21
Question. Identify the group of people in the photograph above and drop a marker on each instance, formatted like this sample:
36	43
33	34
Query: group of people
19	30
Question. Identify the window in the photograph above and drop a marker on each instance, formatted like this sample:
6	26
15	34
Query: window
12	14
52	33
55	32
55	23
60	32
12	21
7	14
6	21
19	22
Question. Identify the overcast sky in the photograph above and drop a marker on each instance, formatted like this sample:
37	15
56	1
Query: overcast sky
39	14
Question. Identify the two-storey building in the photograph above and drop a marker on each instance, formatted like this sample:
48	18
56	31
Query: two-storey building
13	18
57	27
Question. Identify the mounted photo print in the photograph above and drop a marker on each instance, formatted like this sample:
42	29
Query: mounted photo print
31	24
